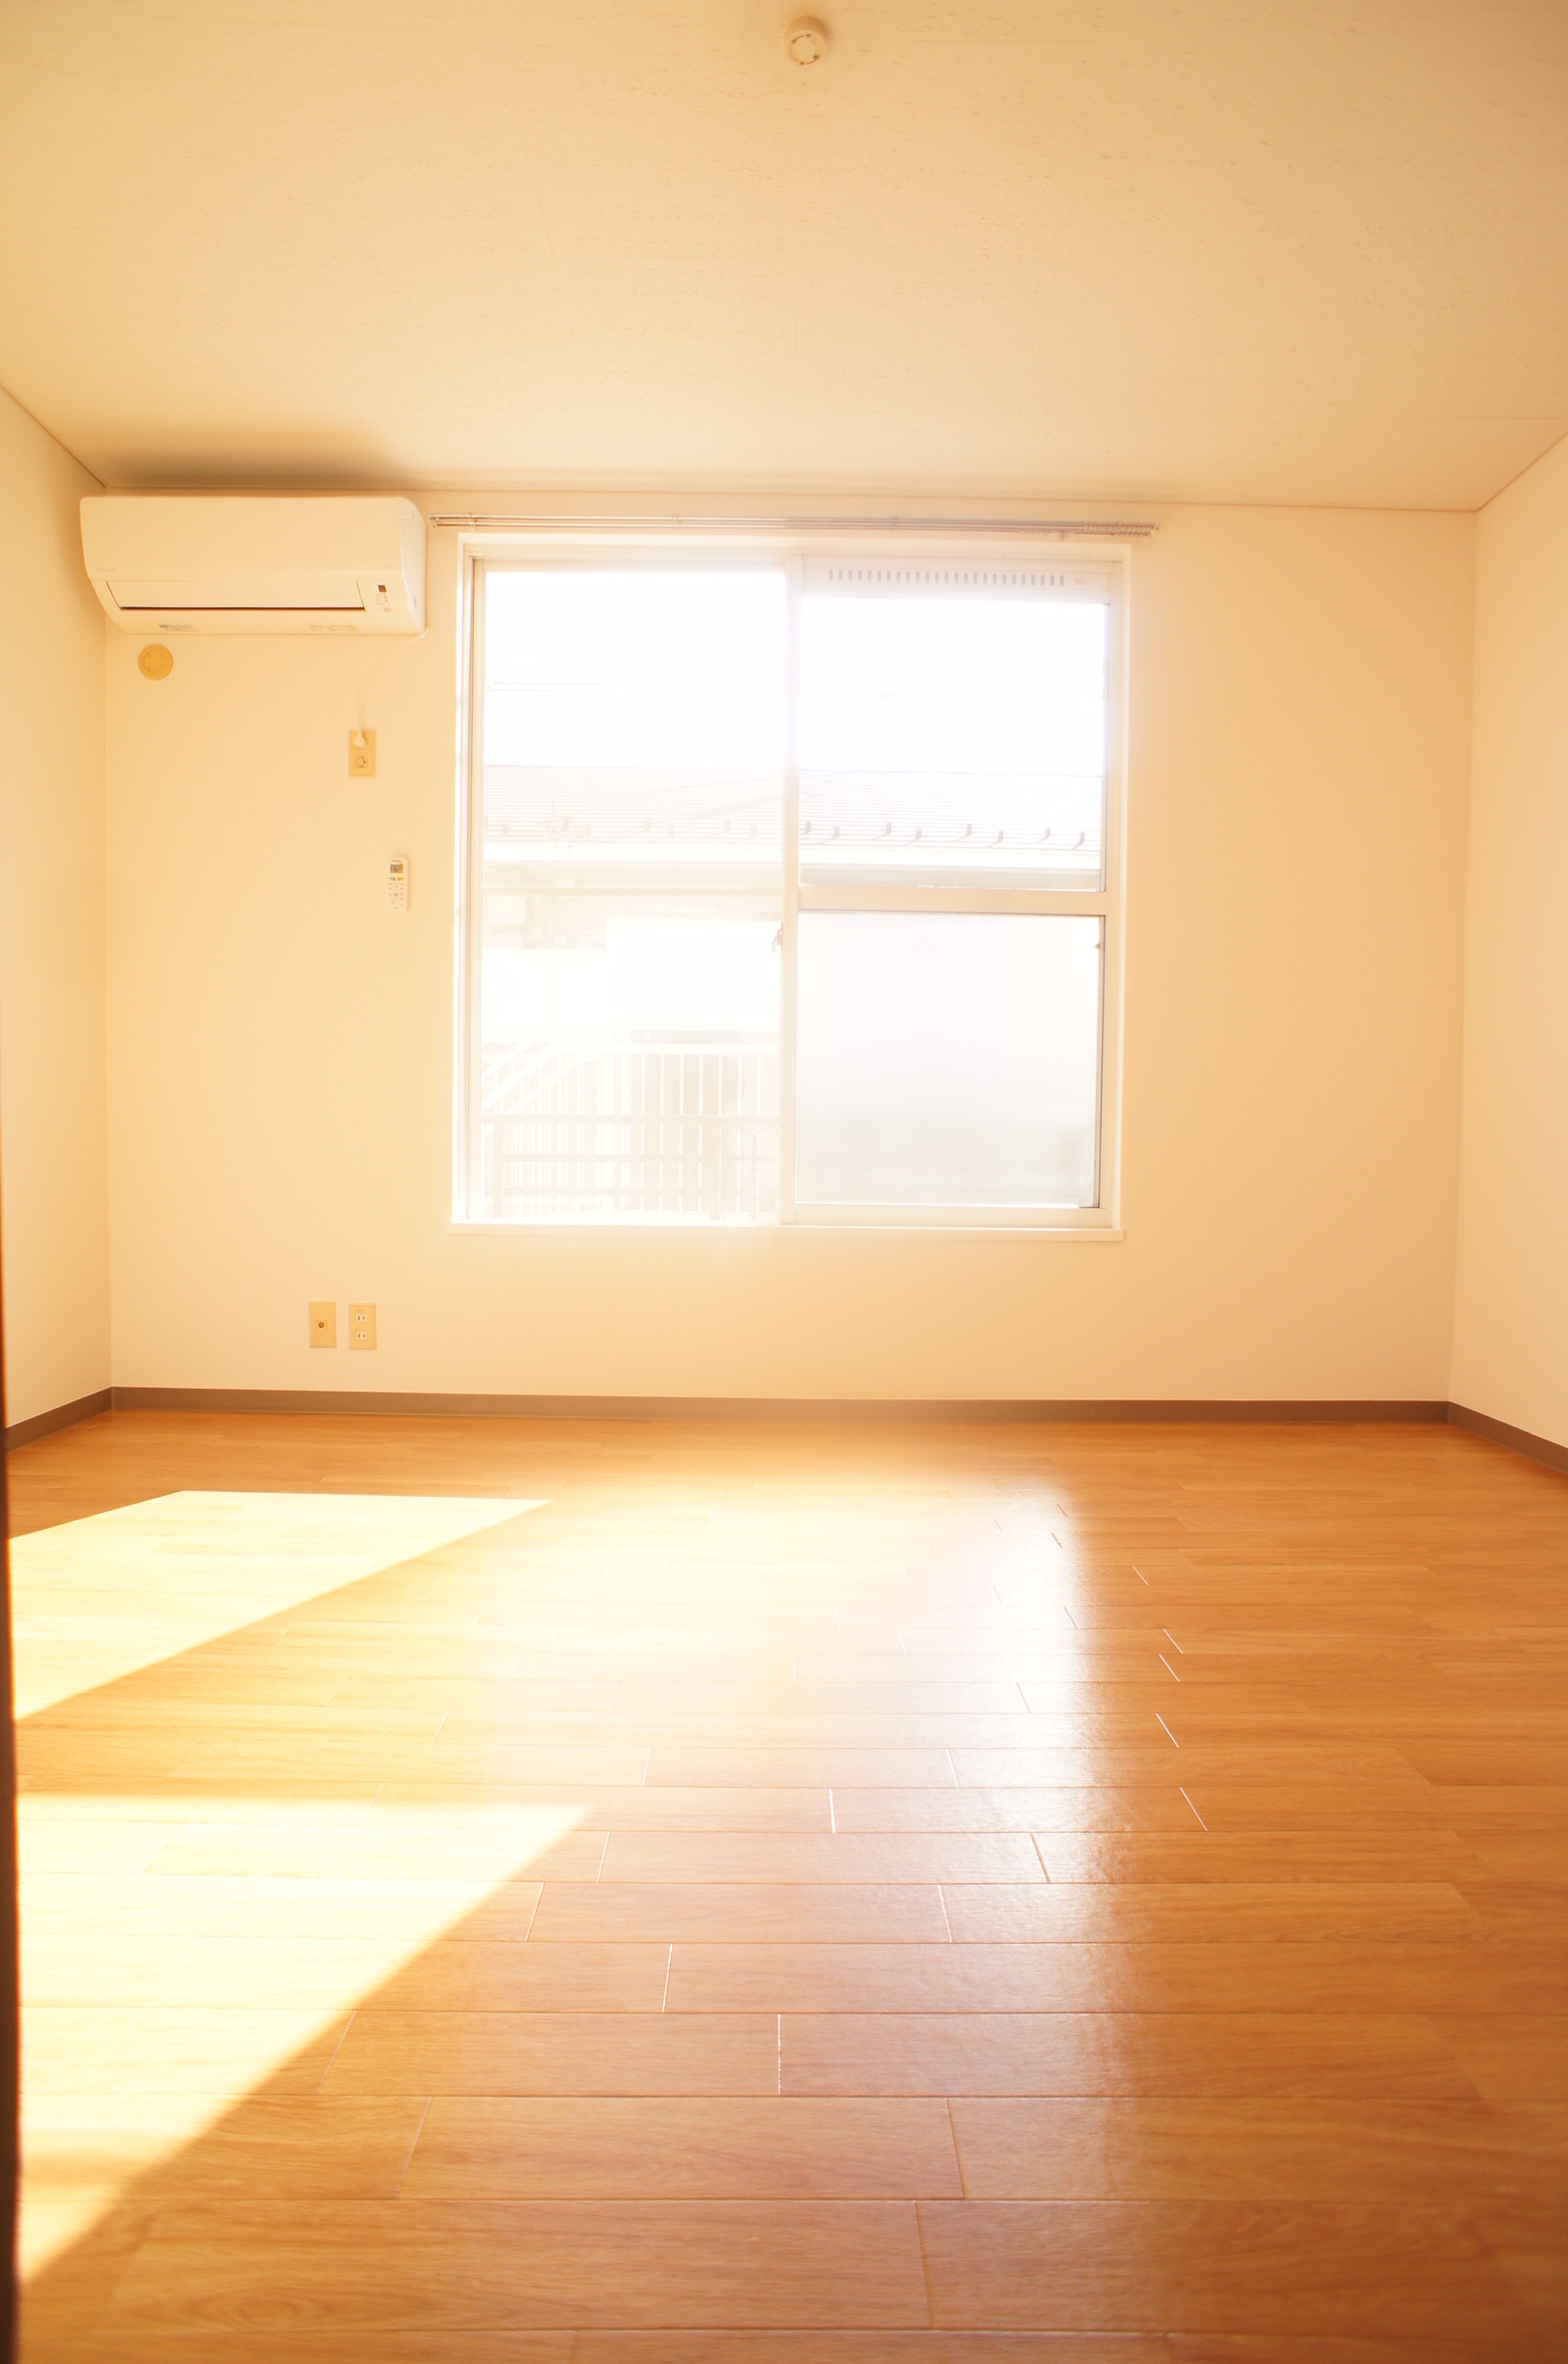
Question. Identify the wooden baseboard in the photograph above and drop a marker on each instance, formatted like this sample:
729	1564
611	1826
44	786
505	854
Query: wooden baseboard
762	1408
1517	1440
1314	1412
63	1415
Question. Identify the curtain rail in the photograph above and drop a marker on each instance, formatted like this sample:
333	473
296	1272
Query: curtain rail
1081	529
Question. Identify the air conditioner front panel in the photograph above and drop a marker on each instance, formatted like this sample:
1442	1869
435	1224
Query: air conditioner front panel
236	594
188	562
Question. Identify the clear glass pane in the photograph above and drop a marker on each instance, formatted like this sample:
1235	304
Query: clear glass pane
633	719
632	798
947	1061
629	1058
955	738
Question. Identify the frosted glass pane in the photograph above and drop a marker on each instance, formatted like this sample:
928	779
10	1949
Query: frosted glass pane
952	738
947	1060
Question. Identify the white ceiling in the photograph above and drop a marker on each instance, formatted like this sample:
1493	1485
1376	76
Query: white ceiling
1241	250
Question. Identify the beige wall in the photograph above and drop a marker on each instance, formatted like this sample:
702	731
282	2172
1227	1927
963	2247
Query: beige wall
281	1047
53	1152
1511	1294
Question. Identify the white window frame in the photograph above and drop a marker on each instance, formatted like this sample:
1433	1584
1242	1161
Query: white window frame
1105	563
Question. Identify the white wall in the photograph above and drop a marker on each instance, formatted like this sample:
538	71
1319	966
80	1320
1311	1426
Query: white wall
53	1144
281	1047
1511	1296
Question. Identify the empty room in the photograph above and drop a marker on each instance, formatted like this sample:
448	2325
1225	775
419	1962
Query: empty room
783	1153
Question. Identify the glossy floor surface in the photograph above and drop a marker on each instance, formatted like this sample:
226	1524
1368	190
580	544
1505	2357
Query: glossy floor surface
506	1892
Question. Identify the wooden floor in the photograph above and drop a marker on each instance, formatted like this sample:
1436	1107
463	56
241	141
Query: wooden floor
507	1892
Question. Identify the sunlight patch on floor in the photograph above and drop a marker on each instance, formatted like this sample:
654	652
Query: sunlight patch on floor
153	2002
100	1599
182	1945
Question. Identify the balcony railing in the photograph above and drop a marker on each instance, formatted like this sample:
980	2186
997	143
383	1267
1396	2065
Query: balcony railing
669	1128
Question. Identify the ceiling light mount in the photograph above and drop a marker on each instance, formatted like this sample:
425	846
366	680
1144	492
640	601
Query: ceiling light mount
806	40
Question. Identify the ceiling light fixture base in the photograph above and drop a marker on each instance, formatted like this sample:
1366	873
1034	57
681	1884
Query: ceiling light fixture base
805	39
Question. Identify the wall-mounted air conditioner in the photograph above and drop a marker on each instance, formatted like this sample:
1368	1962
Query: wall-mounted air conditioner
185	562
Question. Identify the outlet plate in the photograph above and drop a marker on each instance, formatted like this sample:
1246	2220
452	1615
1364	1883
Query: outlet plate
361	754
323	1324
362	1328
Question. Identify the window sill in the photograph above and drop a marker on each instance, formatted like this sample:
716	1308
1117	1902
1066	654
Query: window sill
620	1227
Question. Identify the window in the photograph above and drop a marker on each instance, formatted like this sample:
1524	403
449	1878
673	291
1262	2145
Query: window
791	889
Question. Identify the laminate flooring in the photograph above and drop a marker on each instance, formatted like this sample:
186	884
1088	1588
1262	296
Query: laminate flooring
628	1892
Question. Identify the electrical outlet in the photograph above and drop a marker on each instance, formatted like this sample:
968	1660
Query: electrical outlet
324	1325
362	1327
361	754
